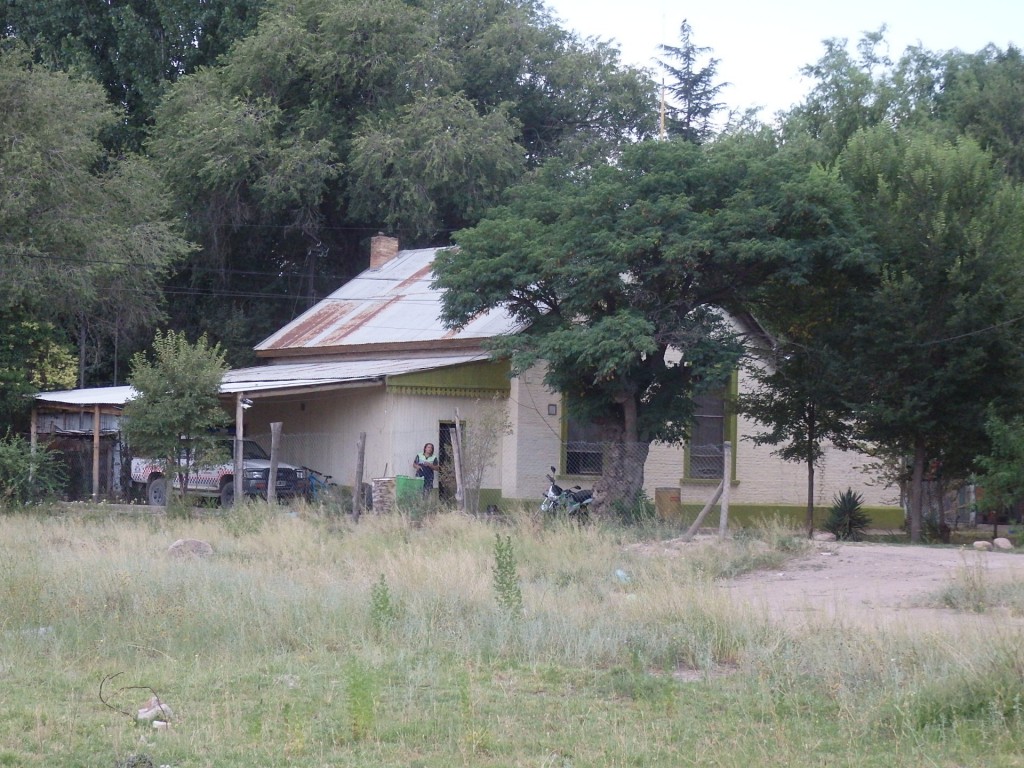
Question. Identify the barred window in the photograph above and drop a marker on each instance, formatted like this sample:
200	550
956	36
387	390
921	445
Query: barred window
583	451
707	440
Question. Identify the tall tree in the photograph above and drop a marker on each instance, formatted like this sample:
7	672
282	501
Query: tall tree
799	396
621	273
134	49
982	96
86	239
337	119
937	340
33	357
693	87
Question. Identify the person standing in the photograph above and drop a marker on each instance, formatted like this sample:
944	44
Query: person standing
426	466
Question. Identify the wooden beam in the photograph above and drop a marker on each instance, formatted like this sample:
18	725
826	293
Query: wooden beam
96	453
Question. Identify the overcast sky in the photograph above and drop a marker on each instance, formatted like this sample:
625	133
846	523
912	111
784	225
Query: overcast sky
763	45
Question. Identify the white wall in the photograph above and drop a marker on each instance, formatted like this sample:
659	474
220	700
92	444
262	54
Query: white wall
761	477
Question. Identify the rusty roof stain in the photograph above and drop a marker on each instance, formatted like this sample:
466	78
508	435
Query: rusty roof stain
338	334
323	317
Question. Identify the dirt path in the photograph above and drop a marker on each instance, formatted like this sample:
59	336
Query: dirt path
875	585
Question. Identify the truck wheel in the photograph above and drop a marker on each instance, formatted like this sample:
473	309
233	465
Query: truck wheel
156	492
227	494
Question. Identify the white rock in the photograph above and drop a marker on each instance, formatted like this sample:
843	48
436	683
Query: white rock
1002	543
824	536
983	545
153	709
190	548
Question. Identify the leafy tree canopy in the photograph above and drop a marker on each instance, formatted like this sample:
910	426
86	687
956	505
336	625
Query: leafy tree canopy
177	409
334	120
134	49
936	341
86	239
619	274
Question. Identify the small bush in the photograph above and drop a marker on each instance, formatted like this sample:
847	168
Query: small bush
506	577
26	476
383	608
846	519
638	511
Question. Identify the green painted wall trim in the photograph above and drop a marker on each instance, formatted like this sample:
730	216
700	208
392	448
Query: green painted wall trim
483	379
888	518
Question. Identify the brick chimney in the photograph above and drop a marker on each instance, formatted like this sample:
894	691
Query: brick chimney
382	250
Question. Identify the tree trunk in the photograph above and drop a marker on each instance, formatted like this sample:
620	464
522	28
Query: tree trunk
810	499
812	442
917	493
622	465
622	477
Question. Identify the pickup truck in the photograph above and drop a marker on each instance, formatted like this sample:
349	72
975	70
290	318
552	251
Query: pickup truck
218	481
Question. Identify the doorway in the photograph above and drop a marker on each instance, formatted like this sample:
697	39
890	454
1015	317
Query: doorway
446	461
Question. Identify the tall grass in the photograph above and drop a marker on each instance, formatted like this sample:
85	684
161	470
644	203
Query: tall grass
308	640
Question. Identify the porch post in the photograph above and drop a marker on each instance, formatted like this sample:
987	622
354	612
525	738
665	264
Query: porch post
96	452
239	434
33	441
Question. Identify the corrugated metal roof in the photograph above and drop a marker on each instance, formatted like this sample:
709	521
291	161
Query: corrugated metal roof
391	304
94	396
266	378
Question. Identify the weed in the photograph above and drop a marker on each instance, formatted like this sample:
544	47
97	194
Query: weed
383	608
506	577
361	689
246	518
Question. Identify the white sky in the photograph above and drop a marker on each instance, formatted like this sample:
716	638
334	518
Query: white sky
763	45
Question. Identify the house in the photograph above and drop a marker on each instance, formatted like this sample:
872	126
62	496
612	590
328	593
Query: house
372	365
373	360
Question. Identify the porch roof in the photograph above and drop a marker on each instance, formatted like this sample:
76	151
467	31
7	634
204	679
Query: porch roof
81	398
334	373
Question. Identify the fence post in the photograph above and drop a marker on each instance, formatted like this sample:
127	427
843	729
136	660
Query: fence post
460	493
357	488
239	435
723	519
96	452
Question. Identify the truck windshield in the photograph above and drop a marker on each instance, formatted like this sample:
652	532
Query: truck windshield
253	450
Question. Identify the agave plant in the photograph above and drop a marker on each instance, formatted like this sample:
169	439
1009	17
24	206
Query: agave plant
846	518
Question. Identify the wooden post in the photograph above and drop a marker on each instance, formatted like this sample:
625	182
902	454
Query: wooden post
96	452
460	493
723	519
271	478
275	444
239	434
703	513
33	441
357	484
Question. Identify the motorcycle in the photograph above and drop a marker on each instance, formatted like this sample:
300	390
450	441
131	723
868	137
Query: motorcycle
573	503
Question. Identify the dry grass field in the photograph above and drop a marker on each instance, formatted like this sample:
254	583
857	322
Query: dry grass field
306	640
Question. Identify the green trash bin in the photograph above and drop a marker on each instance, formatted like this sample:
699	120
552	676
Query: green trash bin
408	490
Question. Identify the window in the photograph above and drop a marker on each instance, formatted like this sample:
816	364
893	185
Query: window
706	449
583	450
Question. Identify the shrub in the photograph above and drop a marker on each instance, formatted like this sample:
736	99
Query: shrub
26	476
506	577
846	519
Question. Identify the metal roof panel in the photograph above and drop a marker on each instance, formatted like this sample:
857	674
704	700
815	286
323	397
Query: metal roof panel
393	303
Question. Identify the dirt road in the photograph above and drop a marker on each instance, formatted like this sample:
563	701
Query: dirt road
875	584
